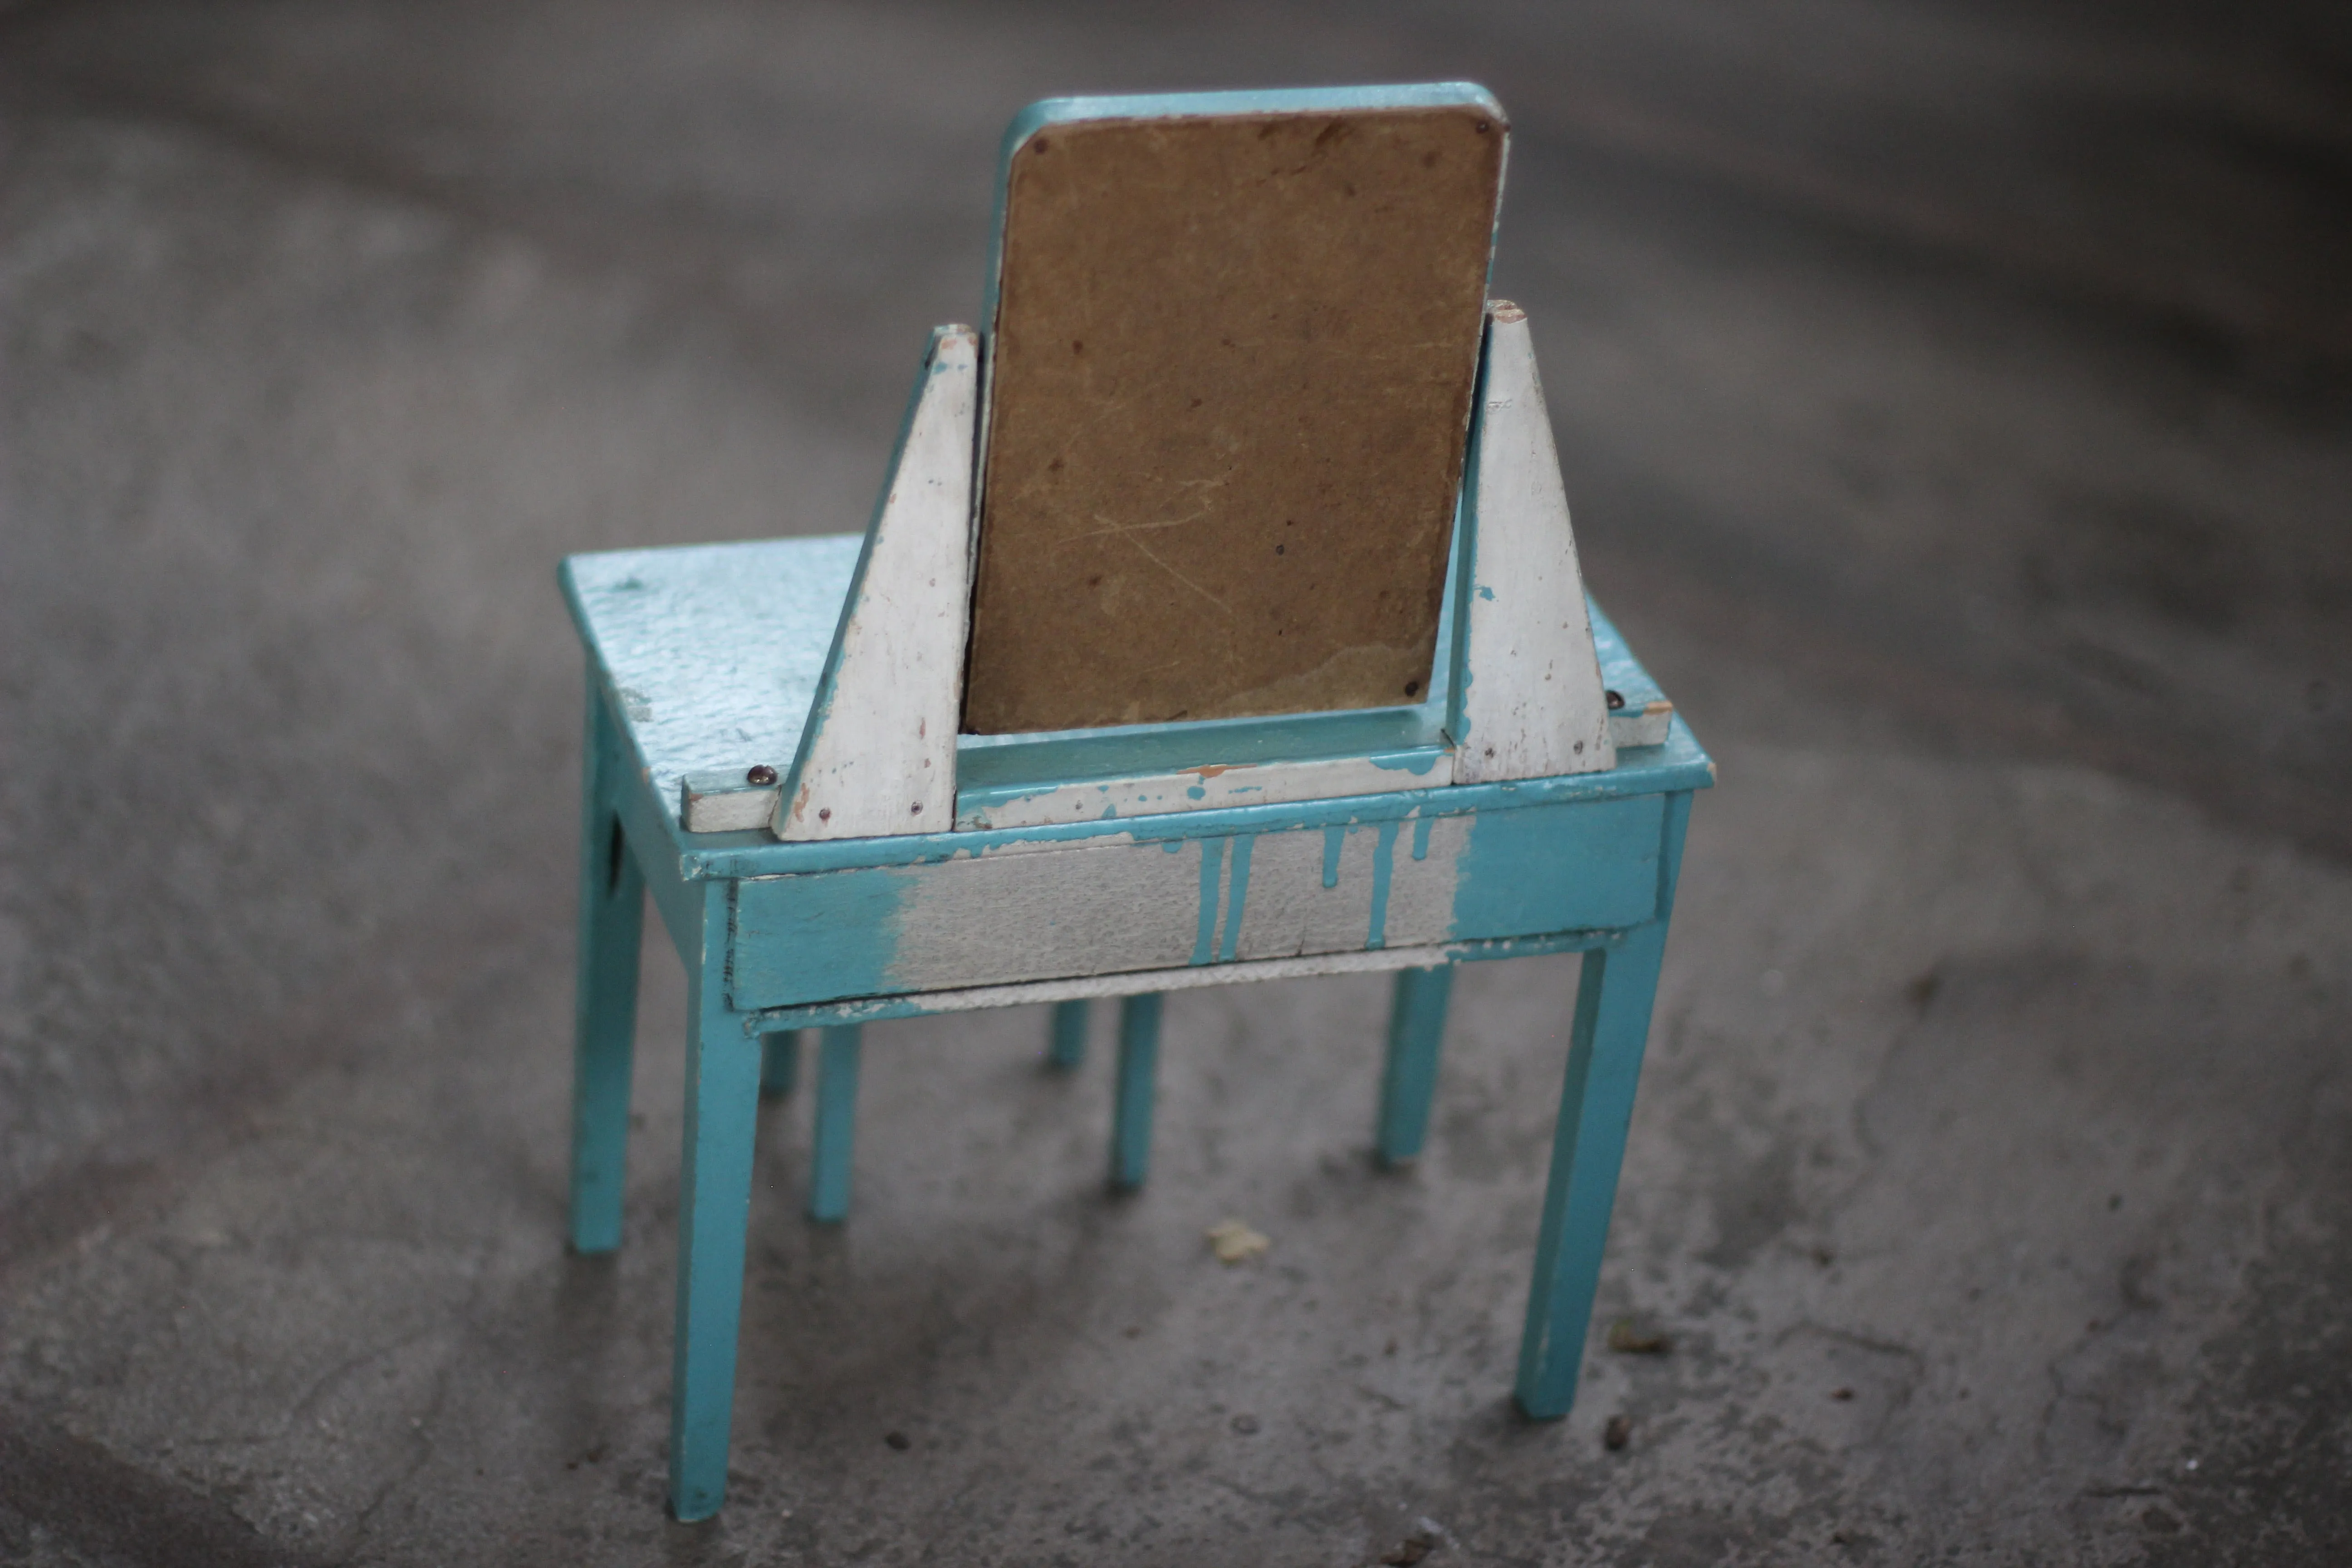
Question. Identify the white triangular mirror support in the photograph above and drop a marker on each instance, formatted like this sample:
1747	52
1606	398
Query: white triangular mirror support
878	754
1526	696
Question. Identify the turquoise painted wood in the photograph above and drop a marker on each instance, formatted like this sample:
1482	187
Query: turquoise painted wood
611	911
1067	1047
1139	1072
780	1062
1476	872
1613	999
722	1096
1459	874
1330	879
1416	1030
833	1147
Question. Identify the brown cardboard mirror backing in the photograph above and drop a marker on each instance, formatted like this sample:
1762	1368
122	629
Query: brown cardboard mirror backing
1231	373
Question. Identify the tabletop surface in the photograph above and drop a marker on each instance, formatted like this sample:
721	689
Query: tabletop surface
713	652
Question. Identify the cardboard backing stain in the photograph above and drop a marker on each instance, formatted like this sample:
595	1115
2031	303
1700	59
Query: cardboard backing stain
1232	367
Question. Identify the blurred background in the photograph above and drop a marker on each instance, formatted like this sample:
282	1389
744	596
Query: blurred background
1954	399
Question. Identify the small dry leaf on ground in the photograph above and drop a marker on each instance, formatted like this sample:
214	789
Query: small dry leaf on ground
1631	1336
1414	1547
1233	1241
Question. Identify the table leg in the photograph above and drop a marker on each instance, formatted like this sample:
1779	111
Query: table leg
1139	1065
1067	1050
1596	1105
605	1003
1416	1030
836	1123
780	1061
722	1095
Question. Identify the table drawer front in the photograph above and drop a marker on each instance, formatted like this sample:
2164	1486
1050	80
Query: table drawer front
1110	907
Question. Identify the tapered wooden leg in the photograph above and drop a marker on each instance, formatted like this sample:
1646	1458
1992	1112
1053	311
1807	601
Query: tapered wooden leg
1416	1029
1596	1105
836	1123
605	1009
1068	1049
1138	1066
780	1061
722	1096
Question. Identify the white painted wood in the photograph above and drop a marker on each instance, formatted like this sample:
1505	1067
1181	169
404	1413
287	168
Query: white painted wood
1032	917
1204	789
1085	910
1105	907
1644	726
725	801
878	755
1289	912
1529	702
1138	982
1646	716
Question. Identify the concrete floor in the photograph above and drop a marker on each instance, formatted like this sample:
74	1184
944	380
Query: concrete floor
1955	402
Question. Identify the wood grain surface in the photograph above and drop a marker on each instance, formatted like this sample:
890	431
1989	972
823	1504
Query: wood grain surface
1233	361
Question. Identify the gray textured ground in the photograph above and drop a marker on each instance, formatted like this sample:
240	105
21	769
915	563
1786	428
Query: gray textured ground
1955	400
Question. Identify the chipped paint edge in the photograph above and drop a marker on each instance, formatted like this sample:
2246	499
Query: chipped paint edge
1136	983
1205	788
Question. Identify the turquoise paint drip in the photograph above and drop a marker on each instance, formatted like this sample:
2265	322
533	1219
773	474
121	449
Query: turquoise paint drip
1421	826
1213	860
1383	867
1236	896
1173	845
1333	838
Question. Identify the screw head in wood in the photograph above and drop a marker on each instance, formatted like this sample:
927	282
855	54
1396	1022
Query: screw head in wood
1616	700
763	774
